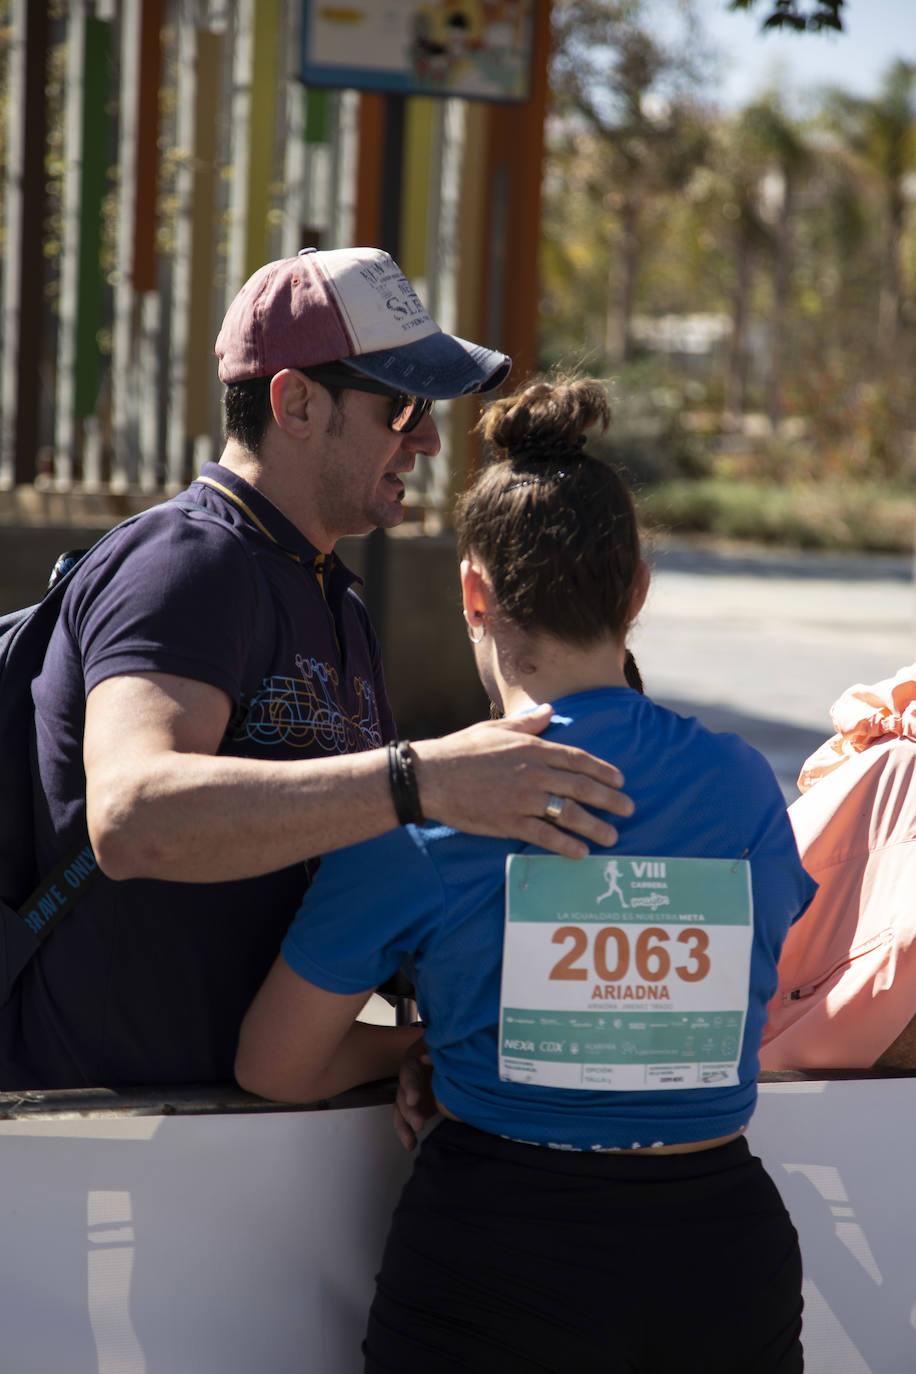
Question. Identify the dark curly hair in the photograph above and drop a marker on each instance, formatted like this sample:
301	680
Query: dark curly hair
246	406
555	527
247	409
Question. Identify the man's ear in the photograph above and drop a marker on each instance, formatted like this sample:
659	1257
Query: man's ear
292	397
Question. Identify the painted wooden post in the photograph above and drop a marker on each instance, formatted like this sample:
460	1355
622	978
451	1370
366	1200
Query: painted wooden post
135	381
23	266
125	381
345	147
253	141
420	189
370	134
176	432
94	157
267	75
442	285
471	268
417	190
320	119
143	268
201	364
294	148
512	174
66	432
239	148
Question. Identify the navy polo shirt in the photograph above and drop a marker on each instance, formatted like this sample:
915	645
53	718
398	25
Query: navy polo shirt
147	982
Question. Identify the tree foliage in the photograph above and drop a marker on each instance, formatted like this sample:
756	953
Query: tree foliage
879	136
627	110
796	16
790	240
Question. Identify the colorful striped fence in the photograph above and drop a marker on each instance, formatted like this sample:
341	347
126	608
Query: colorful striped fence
176	150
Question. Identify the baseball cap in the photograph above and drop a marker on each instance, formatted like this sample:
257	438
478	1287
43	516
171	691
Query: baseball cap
353	304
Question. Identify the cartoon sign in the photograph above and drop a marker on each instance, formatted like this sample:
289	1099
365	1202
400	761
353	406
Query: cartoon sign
478	49
629	972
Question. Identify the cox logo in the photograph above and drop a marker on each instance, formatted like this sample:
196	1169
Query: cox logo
551	1047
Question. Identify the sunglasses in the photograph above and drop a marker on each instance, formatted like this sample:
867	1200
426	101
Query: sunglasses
406	411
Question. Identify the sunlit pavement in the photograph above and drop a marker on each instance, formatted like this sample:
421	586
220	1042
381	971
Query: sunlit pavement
763	643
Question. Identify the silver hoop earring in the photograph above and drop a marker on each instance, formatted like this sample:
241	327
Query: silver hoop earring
475	632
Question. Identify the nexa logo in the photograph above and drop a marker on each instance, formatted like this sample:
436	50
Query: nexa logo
648	868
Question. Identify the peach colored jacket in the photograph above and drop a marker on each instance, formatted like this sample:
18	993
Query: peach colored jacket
847	974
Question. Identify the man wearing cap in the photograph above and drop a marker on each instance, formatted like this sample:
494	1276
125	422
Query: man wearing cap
214	691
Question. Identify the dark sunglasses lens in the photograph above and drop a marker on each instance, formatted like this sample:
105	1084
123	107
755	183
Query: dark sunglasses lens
407	412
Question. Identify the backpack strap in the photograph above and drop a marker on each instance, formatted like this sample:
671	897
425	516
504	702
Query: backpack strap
60	890
23	930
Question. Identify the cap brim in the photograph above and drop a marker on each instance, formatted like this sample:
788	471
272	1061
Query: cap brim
440	367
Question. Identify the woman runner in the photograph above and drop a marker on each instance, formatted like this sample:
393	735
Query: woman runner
588	1200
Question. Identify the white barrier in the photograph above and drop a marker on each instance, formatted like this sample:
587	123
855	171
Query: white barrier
214	1244
841	1153
246	1240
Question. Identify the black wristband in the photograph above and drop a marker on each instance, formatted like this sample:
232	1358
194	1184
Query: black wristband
403	780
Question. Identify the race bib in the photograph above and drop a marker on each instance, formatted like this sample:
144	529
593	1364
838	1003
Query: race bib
629	973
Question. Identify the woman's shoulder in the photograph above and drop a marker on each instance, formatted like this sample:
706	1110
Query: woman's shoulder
621	718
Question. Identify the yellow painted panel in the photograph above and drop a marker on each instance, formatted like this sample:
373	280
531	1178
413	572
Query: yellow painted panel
203	233
266	83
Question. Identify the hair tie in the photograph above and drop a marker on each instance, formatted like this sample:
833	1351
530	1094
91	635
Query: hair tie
537	481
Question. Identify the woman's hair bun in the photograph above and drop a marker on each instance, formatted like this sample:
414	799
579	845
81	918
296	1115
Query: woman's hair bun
546	420
554	528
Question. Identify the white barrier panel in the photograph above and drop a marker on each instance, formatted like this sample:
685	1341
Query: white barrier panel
193	1244
841	1154
224	1244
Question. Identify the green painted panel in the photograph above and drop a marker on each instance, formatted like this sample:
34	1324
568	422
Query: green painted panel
315	119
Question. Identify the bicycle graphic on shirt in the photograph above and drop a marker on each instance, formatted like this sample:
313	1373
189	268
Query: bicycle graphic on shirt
305	712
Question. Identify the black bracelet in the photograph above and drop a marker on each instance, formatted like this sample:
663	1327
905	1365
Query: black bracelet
404	791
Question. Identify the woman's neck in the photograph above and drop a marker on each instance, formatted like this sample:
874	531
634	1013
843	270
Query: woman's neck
555	670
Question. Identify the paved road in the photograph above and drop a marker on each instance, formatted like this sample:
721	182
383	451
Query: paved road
764	643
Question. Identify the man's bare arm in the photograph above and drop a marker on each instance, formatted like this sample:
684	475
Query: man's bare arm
162	804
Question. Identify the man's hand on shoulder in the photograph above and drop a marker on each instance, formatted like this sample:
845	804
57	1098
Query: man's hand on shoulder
498	778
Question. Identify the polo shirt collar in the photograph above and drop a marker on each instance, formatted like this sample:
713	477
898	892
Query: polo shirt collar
264	515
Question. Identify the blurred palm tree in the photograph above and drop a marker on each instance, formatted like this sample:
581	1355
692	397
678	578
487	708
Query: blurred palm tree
780	143
631	103
879	137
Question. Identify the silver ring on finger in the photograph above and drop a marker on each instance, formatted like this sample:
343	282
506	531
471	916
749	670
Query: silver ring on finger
554	808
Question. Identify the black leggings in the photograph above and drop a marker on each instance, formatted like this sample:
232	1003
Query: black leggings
515	1259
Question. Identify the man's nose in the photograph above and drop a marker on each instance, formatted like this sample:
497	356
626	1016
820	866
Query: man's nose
423	439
